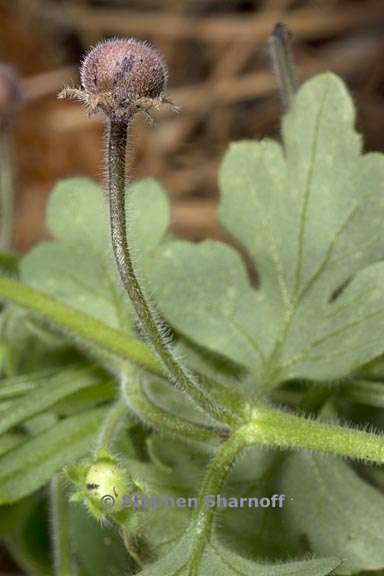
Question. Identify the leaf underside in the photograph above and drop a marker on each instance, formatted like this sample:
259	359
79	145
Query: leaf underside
77	266
340	513
309	214
217	559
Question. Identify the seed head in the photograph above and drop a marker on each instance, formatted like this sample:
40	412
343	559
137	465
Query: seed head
129	69
122	77
102	484
10	92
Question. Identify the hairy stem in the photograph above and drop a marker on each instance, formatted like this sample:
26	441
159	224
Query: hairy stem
147	316
154	415
63	564
212	485
282	60
111	425
79	324
270	427
276	428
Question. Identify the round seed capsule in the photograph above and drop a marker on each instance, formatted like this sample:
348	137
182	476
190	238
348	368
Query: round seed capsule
126	69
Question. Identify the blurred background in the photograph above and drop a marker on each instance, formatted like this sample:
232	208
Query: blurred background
220	74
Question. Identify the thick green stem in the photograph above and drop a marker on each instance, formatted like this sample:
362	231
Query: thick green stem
61	547
271	427
151	326
79	324
282	60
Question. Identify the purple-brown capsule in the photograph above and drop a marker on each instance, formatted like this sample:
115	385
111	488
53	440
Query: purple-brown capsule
129	69
122	77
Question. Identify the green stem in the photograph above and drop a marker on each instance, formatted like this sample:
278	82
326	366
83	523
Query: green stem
154	415
111	425
6	187
282	60
152	328
89	330
60	535
275	428
79	324
212	485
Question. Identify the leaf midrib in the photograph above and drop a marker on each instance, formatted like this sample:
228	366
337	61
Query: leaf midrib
307	194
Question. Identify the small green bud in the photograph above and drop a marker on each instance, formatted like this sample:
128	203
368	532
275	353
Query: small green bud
107	484
102	485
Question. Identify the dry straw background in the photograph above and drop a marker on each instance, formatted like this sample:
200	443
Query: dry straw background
220	75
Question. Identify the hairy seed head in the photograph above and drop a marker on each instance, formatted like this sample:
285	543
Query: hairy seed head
119	73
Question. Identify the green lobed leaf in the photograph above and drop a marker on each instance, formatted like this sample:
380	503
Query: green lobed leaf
340	514
98	549
309	214
250	531
219	560
258	532
161	481
176	472
202	289
185	460
30	465
77	267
